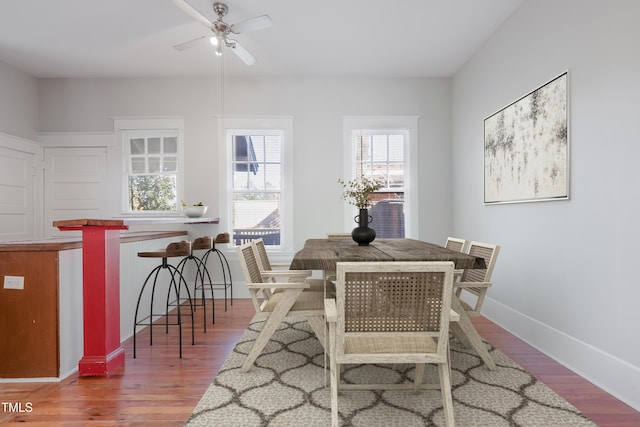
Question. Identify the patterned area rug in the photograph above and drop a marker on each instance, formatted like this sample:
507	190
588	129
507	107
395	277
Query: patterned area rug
286	387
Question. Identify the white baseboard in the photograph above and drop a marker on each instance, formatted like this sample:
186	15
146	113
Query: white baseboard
617	377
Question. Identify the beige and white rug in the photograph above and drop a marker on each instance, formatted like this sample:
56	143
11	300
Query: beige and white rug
286	387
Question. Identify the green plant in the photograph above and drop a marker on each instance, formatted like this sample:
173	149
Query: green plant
357	190
184	204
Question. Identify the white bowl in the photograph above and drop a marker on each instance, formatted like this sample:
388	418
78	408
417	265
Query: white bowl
194	211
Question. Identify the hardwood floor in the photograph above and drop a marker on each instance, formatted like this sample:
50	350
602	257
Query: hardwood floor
159	389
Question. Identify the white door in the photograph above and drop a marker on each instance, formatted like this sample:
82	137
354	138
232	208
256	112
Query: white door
17	207
75	185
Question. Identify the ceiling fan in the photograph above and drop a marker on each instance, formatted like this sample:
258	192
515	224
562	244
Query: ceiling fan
221	30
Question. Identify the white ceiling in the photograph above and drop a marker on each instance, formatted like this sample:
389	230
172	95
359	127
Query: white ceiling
134	38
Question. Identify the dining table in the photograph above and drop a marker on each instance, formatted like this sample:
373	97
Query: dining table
324	254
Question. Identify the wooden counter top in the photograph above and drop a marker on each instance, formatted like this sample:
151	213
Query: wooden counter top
66	243
129	221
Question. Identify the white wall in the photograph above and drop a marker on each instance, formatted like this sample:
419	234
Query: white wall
317	106
20	175
18	103
565	278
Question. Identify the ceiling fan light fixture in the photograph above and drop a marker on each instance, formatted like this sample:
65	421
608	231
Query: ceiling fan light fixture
214	40
219	49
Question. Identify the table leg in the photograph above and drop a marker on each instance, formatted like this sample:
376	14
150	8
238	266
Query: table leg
465	327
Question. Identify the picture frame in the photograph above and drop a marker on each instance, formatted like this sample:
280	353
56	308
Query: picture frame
526	147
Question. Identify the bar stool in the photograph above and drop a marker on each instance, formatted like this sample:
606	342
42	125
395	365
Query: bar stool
201	243
227	282
175	249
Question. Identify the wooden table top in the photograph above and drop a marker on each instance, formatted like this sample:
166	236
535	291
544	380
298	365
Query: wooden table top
323	254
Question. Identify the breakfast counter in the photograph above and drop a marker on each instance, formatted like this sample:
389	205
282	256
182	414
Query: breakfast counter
41	302
60	303
103	352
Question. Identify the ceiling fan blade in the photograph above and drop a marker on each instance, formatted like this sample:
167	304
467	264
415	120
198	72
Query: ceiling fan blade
241	52
186	7
189	44
253	24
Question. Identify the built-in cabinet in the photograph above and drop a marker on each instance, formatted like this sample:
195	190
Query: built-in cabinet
41	325
29	328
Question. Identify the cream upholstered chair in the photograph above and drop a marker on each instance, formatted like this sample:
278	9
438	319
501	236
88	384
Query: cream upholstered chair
391	312
274	306
477	281
274	271
456	244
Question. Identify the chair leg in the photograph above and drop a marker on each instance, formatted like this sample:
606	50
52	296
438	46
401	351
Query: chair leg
201	271
227	281
464	326
445	388
179	321
199	276
318	326
334	371
418	377
182	281
135	317
276	317
226	272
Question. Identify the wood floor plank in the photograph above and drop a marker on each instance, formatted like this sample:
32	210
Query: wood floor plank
158	388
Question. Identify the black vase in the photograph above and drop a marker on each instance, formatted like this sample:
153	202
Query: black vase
363	234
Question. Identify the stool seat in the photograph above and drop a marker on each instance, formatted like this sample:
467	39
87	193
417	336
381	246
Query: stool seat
223	238
173	249
205	242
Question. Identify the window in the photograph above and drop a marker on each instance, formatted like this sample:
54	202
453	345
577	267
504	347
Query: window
381	156
152	171
256	158
382	153
258	170
152	165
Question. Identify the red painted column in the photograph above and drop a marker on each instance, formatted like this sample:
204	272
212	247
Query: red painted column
103	353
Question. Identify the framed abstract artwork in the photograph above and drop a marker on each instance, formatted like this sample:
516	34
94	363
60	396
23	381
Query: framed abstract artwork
526	147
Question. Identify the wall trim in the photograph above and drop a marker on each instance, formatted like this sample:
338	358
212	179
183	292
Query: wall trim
77	139
18	143
617	377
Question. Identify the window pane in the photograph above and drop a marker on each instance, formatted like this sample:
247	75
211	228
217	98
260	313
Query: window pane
363	148
153	145
388	215
152	193
170	145
170	164
379	148
240	181
396	176
256	181
272	177
256	215
138	165
273	149
258	147
154	164
396	148
137	145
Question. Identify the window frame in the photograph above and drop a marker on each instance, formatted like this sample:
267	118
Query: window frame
283	125
408	127
126	126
